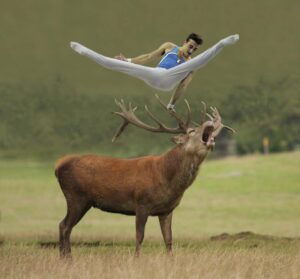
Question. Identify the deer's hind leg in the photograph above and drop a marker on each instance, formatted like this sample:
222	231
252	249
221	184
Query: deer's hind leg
77	207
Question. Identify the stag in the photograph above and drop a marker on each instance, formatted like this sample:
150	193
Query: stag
144	186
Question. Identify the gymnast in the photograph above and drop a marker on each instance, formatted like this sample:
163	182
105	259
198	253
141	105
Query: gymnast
175	68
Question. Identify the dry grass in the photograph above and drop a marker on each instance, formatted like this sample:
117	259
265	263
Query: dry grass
254	193
243	255
19	261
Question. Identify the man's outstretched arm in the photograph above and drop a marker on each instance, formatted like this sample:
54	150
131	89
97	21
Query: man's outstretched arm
148	57
181	88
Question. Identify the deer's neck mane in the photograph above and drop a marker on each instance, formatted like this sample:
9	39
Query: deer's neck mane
180	168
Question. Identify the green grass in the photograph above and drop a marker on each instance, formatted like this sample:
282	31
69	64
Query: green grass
254	193
239	220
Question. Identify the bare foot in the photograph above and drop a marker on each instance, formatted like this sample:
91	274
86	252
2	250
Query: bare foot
77	47
231	39
171	107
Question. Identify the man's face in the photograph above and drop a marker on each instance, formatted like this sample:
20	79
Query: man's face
189	47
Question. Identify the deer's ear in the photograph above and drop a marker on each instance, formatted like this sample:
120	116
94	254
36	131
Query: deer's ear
179	139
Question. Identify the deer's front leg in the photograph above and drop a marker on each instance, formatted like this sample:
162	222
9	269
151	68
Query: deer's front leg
140	222
165	222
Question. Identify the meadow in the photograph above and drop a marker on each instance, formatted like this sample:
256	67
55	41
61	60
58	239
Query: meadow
240	219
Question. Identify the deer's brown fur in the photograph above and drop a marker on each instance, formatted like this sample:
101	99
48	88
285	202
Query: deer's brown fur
144	186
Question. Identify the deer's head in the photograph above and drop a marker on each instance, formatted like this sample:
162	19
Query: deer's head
193	137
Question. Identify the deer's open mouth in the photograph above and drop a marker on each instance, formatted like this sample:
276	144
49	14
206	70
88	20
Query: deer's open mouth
207	135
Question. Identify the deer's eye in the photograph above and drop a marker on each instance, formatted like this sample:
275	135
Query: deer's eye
191	132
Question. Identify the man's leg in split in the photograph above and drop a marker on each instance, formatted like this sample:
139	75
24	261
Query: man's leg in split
203	58
106	62
184	71
161	79
147	74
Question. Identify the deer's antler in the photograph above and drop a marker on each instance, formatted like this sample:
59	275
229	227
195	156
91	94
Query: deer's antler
203	113
129	117
217	120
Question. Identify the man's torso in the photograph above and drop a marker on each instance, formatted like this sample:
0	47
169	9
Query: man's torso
171	59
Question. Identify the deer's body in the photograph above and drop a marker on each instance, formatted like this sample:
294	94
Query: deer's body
121	185
145	186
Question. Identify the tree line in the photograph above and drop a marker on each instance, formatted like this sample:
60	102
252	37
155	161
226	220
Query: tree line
46	120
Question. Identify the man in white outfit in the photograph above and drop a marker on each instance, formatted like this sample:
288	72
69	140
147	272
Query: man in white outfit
175	68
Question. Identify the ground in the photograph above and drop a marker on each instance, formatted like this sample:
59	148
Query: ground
240	219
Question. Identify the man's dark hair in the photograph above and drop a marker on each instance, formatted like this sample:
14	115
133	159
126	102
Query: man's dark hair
196	38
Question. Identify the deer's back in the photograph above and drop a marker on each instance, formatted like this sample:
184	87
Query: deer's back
111	182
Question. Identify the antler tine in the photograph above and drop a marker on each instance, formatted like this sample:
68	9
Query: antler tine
215	117
130	118
218	122
189	113
210	117
203	113
117	103
122	127
196	124
131	108
120	130
126	114
160	101
216	113
180	122
230	129
153	117
121	104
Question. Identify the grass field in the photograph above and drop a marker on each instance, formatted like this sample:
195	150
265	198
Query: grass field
240	219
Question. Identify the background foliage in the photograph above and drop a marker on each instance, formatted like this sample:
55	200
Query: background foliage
53	101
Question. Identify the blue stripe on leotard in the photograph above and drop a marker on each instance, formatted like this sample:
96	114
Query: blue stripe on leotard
171	59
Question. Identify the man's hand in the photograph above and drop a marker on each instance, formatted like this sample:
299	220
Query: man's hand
121	57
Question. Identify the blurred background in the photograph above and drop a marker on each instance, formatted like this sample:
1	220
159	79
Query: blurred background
54	101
